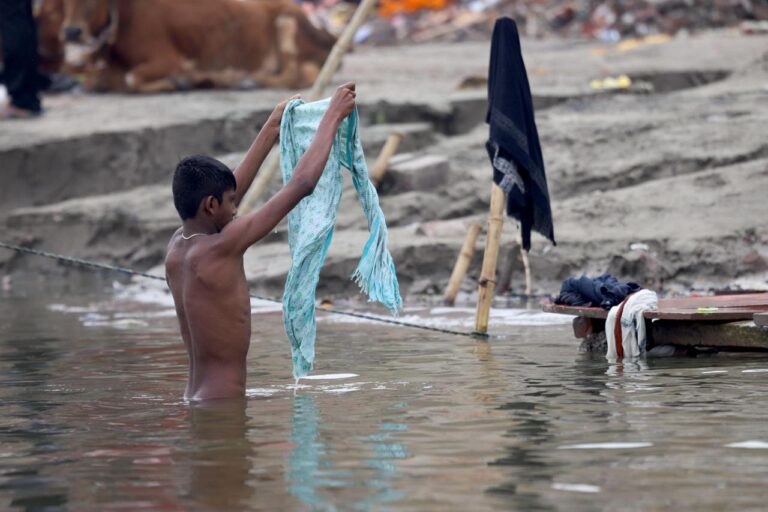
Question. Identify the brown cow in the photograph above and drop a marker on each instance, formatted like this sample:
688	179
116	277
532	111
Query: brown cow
165	45
49	15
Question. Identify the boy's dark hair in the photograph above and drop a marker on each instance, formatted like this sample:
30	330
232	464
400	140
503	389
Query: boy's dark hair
197	177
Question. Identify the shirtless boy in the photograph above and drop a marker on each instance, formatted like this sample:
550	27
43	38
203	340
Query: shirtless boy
204	262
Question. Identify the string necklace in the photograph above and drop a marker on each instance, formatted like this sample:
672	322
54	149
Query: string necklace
192	235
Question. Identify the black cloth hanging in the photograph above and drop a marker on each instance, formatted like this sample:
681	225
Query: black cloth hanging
18	34
513	145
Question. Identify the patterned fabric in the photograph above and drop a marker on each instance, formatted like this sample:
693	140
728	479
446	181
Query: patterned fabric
509	169
311	224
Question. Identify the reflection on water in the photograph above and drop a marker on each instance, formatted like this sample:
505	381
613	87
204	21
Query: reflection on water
219	457
91	418
385	452
305	473
311	467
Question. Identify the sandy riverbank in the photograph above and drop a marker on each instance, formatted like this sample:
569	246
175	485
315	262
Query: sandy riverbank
665	184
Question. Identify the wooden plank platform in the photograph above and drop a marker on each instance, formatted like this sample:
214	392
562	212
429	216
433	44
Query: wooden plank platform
699	315
586	312
729	308
716	301
725	321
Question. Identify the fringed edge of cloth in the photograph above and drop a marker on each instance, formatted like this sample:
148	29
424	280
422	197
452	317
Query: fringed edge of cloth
375	274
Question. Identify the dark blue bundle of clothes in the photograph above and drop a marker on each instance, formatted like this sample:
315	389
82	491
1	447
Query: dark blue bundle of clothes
605	291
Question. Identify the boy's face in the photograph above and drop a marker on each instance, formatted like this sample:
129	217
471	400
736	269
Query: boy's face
226	211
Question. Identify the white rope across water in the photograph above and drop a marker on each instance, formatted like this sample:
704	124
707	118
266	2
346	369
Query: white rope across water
132	272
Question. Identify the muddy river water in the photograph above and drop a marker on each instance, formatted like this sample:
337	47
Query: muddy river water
91	417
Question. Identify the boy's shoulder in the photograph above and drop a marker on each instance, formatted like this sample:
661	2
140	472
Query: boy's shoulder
169	249
174	238
202	248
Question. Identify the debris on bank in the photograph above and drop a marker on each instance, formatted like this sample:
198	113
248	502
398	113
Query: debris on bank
610	21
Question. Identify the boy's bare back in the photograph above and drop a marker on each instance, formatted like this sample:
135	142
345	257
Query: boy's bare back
214	311
204	262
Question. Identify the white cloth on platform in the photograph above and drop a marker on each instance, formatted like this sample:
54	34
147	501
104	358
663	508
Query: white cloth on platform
633	332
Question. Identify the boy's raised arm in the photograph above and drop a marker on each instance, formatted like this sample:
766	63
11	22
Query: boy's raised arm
257	153
243	232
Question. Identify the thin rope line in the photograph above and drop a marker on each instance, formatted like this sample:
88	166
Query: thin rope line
129	271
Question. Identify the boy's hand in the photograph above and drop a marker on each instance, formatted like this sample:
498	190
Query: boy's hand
277	115
343	101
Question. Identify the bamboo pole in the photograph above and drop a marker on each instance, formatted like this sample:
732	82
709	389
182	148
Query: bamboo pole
382	161
330	66
462	264
488	275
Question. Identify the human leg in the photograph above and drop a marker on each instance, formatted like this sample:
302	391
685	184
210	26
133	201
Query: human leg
19	37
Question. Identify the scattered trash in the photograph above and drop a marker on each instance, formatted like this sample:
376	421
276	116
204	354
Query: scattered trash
754	27
611	83
391	7
473	82
635	42
625	26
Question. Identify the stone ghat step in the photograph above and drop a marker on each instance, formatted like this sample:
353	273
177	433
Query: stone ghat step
66	161
132	226
408	172
416	136
132	229
417	258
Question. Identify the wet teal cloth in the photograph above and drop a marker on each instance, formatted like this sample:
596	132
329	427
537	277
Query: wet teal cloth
311	224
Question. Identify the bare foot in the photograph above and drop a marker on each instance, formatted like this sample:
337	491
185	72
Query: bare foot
9	112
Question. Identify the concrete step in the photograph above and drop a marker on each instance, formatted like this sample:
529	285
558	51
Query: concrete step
416	136
101	162
132	227
109	143
410	171
415	255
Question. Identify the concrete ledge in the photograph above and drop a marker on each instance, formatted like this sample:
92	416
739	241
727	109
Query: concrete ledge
409	172
267	264
99	163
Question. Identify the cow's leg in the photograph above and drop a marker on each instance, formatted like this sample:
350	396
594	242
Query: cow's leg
160	75
155	78
183	79
309	73
224	78
289	74
101	76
